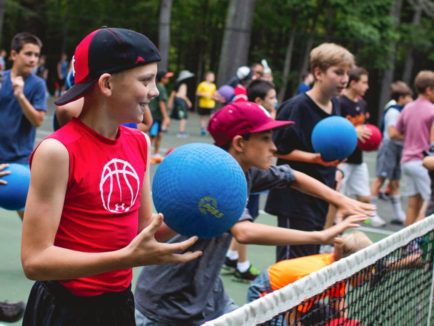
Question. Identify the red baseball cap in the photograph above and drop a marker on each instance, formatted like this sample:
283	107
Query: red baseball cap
107	50
241	118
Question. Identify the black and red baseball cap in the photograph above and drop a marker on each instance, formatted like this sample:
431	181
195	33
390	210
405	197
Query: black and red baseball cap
107	50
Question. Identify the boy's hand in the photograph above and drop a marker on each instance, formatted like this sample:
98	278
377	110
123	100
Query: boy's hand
145	250
3	173
348	206
352	221
363	133
166	123
317	159
18	85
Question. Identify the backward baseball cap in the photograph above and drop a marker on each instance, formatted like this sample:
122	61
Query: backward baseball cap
107	50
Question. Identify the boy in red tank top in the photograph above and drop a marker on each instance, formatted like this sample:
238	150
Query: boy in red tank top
88	216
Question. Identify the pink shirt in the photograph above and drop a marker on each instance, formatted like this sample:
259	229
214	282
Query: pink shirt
415	124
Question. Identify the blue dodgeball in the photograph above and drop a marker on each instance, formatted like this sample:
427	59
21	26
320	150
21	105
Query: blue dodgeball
335	138
13	195
200	189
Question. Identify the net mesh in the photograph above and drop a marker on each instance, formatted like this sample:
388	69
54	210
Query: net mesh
388	283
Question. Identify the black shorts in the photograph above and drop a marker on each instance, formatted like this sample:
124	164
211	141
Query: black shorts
202	111
51	304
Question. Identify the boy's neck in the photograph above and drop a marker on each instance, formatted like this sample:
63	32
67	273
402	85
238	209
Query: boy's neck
15	72
94	115
353	96
321	99
423	97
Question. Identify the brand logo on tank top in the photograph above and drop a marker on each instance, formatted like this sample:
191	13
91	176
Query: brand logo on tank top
119	186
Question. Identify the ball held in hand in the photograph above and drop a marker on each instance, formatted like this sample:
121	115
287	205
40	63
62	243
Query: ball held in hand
200	189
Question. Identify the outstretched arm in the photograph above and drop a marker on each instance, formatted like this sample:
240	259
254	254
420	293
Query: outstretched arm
307	157
346	205
247	232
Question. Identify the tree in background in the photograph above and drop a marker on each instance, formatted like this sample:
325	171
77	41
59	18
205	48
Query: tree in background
280	31
236	39
164	33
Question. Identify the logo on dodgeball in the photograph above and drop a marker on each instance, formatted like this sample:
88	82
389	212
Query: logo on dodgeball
119	186
209	205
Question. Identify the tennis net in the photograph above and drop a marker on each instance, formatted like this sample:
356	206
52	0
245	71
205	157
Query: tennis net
387	283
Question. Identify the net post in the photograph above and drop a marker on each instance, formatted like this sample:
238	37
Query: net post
428	322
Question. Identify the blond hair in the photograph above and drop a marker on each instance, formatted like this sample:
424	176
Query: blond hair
424	79
351	243
326	55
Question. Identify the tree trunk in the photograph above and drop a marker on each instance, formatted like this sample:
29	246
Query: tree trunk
2	13
236	39
409	59
309	43
395	12
287	65
164	32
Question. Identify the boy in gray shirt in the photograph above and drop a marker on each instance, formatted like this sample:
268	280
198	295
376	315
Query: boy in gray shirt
193	293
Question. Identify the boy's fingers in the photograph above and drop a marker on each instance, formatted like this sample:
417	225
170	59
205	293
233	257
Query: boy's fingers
180	246
185	257
155	224
3	173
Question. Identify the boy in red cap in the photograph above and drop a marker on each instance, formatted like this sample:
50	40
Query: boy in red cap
193	293
88	216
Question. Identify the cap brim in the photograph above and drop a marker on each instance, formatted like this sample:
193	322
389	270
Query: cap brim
272	124
74	93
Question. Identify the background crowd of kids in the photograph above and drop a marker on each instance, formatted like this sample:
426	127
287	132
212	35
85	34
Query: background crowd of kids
335	85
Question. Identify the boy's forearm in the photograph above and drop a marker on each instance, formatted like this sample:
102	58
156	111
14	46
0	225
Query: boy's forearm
313	187
299	156
35	117
254	233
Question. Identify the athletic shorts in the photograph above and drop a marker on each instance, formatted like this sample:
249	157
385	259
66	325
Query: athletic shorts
155	129
388	160
416	179
204	111
356	179
50	304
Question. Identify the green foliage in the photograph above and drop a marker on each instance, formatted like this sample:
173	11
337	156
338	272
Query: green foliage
364	27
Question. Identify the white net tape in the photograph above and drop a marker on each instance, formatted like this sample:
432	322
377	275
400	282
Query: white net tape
264	309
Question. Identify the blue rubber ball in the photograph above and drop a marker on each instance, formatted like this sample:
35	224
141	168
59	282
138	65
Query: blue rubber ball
200	189
335	138
13	195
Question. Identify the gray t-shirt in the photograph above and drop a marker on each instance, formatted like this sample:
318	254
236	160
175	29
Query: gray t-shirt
193	293
390	119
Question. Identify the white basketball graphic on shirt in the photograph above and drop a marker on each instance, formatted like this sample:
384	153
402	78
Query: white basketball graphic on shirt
119	186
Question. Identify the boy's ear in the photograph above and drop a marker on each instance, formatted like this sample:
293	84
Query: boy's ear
104	84
316	72
238	143
13	54
258	100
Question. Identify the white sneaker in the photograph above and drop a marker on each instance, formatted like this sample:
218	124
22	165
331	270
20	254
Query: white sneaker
376	221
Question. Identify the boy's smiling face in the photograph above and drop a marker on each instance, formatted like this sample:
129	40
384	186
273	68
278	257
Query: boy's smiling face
132	90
